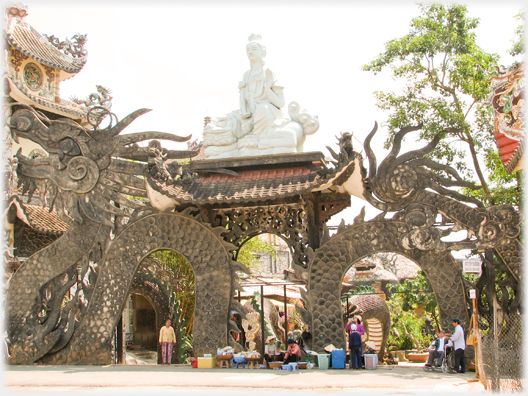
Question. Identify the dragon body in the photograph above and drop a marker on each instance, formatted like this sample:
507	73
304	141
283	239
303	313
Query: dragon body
89	179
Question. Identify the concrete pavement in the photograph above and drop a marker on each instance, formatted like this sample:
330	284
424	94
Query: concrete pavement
141	379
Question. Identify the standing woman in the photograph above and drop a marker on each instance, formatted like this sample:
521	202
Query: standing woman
361	331
167	339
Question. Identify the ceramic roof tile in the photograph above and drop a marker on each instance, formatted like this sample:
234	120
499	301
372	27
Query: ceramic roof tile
31	43
250	185
44	220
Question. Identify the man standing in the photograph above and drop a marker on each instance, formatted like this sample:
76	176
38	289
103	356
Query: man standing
437	348
167	339
459	345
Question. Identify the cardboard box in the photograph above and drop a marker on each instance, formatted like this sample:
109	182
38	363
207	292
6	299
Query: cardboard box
206	362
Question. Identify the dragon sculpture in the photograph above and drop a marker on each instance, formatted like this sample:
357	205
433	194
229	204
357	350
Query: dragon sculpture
65	300
102	98
427	215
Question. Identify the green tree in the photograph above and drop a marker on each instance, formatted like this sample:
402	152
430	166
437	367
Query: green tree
518	42
445	74
248	253
408	299
417	293
176	277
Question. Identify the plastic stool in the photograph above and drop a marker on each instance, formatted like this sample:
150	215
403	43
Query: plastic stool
294	367
242	363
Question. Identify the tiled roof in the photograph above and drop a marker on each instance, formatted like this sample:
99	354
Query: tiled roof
250	185
28	41
377	275
43	220
250	179
64	105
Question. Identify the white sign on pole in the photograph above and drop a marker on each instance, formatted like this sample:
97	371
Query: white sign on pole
472	293
472	266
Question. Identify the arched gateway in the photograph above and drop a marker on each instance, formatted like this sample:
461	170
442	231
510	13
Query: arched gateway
63	304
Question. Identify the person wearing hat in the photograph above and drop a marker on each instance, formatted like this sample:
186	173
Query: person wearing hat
271	352
354	347
293	353
459	346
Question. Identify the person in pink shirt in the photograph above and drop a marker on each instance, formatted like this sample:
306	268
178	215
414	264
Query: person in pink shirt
361	330
359	326
293	353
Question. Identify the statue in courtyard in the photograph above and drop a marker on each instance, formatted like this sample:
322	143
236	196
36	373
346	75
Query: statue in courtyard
258	127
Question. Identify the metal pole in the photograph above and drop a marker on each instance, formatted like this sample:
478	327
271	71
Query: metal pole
476	327
262	331
285	317
348	309
239	298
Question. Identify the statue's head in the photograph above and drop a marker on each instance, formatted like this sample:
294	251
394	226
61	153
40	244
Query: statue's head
255	48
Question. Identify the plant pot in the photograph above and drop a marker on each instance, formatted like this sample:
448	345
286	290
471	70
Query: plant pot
418	357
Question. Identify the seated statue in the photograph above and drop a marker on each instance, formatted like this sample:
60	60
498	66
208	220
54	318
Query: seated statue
258	127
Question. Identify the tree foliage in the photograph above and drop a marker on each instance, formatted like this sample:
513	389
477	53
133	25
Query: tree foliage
416	293
177	278
445	74
408	299
518	42
248	253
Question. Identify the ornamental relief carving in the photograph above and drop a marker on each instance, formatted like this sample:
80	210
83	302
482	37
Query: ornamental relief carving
288	221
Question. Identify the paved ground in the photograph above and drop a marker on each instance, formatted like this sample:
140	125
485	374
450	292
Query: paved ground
150	379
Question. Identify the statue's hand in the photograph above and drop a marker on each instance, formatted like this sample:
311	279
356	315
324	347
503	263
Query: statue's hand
241	84
244	128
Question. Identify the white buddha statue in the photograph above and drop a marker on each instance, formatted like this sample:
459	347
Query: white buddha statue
258	127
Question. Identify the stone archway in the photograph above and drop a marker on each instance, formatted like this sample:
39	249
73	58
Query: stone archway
338	253
159	301
208	255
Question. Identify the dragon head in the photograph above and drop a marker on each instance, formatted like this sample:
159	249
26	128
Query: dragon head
88	173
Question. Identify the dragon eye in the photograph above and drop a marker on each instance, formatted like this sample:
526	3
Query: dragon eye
69	146
23	124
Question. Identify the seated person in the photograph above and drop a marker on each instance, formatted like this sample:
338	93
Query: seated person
271	352
293	353
438	348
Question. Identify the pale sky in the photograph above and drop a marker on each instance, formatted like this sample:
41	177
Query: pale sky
184	60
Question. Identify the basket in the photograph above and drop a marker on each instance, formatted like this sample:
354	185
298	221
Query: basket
275	365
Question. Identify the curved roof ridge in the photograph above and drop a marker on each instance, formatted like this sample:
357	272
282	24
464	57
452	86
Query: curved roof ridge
23	37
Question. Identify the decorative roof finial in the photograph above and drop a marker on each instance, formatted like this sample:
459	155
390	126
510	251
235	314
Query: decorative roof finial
16	10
